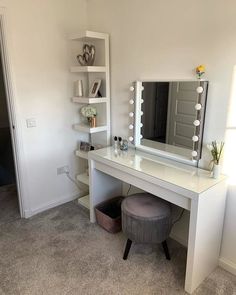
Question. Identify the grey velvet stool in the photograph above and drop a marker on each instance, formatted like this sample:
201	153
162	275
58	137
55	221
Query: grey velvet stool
146	219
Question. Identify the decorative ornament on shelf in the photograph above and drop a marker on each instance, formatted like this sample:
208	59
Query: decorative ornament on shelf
200	71
79	88
90	113
216	152
94	89
88	56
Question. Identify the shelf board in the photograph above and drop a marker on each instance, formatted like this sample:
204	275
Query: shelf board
83	177
84	201
87	129
87	35
81	154
88	69
89	100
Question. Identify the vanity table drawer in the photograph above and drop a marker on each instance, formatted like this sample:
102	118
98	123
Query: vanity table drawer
141	183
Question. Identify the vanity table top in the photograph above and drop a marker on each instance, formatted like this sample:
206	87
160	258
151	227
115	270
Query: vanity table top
184	176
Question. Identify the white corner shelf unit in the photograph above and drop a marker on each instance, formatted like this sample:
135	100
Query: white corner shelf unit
90	130
83	177
87	36
87	69
99	135
89	100
84	201
81	154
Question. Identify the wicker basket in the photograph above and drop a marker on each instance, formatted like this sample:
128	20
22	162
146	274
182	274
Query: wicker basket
108	214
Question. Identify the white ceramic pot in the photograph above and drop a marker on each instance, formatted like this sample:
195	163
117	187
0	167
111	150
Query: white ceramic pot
216	171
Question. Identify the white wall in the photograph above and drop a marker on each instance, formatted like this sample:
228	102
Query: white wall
38	51
159	39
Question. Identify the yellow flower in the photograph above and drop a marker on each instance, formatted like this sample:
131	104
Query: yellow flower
200	69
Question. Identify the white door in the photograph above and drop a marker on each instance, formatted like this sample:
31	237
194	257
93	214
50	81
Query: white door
181	113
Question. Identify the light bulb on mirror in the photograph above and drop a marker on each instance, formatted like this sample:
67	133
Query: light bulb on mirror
141	113
195	138
141	124
194	153
196	123
142	101
198	106
131	126
199	89
131	88
131	101
142	88
131	114
131	138
141	136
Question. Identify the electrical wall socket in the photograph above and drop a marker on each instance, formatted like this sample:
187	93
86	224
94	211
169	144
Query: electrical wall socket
31	122
62	170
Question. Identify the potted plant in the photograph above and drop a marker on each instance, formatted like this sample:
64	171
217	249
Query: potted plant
200	71
90	113
216	152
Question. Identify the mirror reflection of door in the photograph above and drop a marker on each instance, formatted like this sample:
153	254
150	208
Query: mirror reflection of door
168	112
155	108
181	114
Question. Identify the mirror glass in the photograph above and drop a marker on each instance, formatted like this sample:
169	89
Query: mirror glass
172	116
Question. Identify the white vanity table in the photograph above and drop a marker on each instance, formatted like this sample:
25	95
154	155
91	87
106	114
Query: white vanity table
182	185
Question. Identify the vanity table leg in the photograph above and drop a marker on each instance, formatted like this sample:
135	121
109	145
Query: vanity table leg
205	234
102	187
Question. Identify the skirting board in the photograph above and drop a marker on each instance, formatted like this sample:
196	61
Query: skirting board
227	265
30	213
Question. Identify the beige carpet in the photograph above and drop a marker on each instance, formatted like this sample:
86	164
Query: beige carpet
9	209
61	252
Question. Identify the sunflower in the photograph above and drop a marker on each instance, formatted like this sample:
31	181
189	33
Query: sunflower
200	69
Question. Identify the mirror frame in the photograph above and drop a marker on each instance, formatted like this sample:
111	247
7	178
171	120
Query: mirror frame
137	88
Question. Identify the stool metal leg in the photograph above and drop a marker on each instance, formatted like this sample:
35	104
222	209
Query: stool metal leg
166	250
127	248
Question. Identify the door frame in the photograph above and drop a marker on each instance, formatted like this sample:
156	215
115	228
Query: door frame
14	121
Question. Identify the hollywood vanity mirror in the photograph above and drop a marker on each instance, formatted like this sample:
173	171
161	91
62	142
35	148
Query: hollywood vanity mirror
168	118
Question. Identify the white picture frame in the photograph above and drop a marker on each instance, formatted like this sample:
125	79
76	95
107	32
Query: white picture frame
94	88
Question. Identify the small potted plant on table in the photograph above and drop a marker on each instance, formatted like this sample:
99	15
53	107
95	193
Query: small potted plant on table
216	152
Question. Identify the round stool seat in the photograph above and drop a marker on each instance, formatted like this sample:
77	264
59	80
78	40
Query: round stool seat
146	206
146	218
